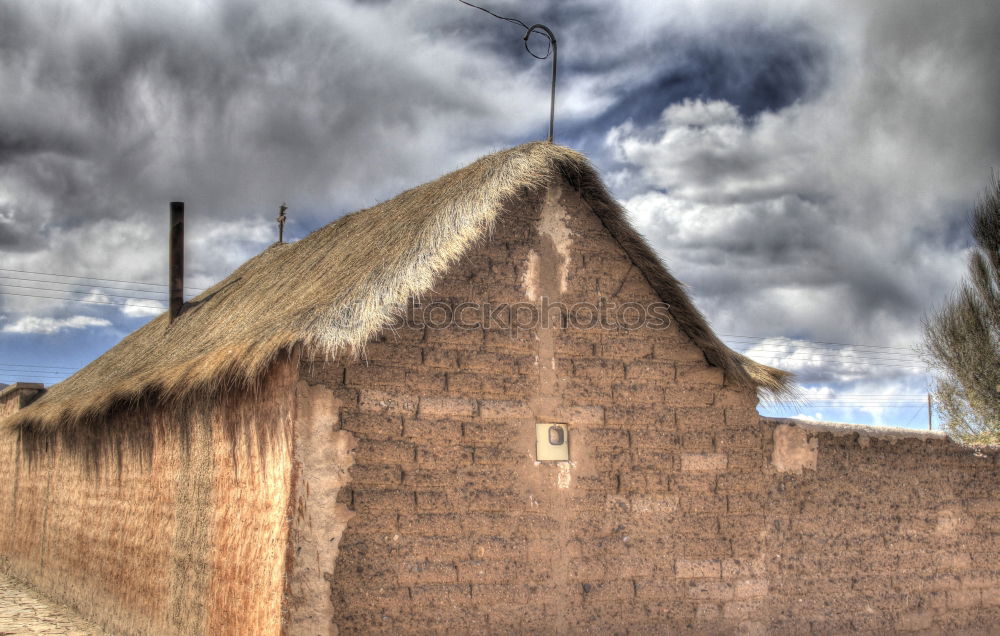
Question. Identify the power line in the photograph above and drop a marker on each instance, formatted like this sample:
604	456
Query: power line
768	346
39	366
845	356
78	300
71	291
109	280
839	344
93	286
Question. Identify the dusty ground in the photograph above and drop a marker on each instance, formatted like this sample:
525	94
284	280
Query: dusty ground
22	611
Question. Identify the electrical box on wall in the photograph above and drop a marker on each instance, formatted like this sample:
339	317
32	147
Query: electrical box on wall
551	442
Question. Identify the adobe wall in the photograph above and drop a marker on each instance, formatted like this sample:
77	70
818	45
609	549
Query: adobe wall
454	524
184	531
877	531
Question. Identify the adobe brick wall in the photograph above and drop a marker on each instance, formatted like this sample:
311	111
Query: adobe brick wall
877	532
18	395
456	527
183	532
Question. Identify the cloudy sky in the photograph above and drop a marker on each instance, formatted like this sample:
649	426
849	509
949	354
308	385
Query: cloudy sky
807	167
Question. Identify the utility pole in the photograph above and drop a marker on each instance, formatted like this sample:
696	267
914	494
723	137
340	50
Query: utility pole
930	426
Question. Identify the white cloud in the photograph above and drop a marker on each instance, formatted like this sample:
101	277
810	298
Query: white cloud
39	325
840	214
142	309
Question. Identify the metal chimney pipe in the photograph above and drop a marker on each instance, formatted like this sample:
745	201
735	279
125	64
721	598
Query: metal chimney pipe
176	258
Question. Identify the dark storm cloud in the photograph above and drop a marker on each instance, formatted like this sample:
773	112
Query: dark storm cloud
815	183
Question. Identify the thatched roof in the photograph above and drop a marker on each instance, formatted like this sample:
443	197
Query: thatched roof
338	286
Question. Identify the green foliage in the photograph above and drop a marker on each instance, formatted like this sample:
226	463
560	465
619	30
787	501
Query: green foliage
962	340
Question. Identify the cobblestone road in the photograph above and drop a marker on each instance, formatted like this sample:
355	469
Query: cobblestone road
22	611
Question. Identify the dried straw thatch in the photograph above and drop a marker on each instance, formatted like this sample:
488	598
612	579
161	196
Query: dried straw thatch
345	281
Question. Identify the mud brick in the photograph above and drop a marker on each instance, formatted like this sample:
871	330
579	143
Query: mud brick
384	452
464	383
697	441
991	596
678	349
611	458
362	375
437	358
656	438
570	343
423	572
495	455
371	400
640	394
603	437
751	589
651	370
696	374
698	569
392	354
425	381
737	397
697	525
492	432
732	525
699	419
741	610
445	457
485	572
398	500
729	440
381	475
602	591
504	410
500	593
742	483
445	407
636	418
491	524
623	347
445	432
703	462
741	461
683	396
454	338
582	415
447	524
504	548
598	368
491	500
429	479
488	361
710	591
510	341
372	426
708	612
433	501
964	599
915	622
742	568
707	548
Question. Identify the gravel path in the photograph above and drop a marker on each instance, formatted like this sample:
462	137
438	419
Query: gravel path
23	611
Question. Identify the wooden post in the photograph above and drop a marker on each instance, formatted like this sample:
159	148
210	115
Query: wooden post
176	258
930	426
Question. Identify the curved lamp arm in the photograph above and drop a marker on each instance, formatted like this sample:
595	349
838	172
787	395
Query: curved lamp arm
547	32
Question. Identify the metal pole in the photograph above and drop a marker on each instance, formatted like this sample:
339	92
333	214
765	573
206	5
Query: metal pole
176	259
555	60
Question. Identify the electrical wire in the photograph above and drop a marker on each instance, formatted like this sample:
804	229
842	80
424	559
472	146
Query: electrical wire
109	280
79	300
524	26
90	285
